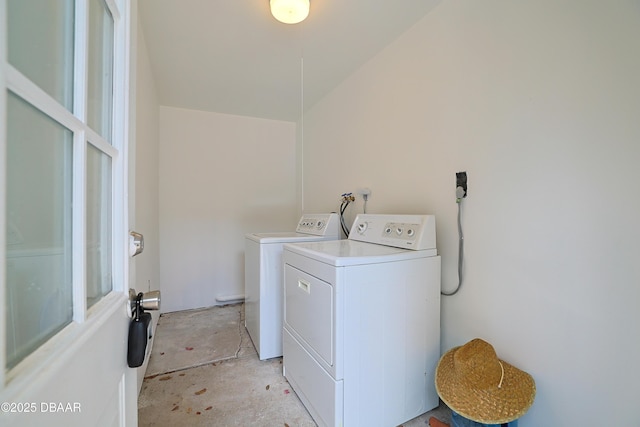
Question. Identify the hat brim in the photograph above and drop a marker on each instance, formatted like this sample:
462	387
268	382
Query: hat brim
490	406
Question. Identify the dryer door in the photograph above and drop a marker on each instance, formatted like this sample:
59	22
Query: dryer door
309	312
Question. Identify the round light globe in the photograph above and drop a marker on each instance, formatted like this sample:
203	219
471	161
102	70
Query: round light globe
290	11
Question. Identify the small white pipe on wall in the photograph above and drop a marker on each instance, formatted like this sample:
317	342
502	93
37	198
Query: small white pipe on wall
227	298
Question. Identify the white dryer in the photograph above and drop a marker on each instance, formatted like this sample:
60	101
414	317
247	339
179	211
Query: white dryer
361	333
263	286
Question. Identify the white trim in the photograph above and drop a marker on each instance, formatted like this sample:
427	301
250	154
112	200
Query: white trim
100	143
30	92
28	253
3	187
79	229
120	137
42	101
122	401
80	63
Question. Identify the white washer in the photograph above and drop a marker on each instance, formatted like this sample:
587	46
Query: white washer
361	333
263	278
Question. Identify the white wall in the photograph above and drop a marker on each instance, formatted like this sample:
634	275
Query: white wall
144	185
221	176
147	172
539	102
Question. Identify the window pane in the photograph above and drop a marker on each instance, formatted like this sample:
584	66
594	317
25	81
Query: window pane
38	260
99	277
40	44
100	90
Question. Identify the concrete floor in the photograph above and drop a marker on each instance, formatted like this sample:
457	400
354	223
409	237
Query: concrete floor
204	371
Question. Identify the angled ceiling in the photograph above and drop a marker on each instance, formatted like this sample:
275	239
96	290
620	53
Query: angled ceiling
233	57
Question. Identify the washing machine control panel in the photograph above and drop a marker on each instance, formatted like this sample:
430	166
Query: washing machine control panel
417	232
319	225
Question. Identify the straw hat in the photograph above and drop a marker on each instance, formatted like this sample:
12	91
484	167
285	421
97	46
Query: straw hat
473	382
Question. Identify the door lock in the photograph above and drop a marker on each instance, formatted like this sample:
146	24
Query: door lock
147	300
140	325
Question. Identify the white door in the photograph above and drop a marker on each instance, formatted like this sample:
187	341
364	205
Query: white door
63	214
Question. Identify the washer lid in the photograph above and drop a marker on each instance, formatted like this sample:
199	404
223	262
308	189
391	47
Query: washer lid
352	252
284	237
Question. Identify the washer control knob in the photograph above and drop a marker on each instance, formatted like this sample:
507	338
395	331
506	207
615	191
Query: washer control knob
410	232
362	227
399	231
387	230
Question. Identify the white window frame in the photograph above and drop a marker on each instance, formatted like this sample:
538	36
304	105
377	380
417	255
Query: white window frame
84	322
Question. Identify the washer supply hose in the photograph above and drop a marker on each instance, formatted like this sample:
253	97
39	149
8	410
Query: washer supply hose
460	244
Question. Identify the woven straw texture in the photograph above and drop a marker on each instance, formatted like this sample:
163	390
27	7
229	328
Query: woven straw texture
473	382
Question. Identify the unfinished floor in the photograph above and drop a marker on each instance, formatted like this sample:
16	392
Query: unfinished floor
204	371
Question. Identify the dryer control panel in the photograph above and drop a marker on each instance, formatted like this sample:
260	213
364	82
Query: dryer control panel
416	232
319	225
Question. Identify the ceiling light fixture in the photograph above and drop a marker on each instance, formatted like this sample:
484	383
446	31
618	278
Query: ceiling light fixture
290	11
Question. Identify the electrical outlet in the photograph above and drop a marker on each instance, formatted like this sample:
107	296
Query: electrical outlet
461	181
